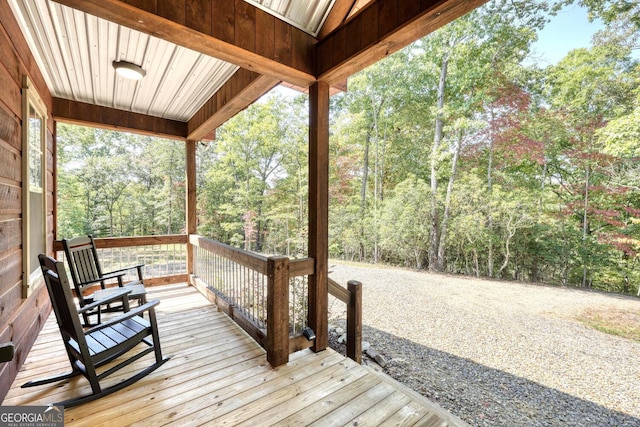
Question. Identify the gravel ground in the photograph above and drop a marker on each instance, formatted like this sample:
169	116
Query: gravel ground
498	353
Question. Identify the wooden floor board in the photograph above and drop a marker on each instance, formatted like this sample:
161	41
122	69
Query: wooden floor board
243	392
279	392
356	406
330	402
278	413
218	375
382	411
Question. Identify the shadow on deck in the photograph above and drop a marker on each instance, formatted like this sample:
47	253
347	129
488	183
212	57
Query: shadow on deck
218	375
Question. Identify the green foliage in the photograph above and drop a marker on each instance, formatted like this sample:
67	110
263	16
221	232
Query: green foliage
116	184
253	188
404	225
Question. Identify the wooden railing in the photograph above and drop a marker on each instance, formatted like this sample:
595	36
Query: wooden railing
164	257
352	297
255	291
267	296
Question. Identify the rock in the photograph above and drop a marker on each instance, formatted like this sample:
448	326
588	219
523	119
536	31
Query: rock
372	353
339	331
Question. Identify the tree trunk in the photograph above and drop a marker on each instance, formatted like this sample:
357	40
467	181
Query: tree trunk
170	213
363	191
490	192
378	171
447	204
585	227
437	140
511	232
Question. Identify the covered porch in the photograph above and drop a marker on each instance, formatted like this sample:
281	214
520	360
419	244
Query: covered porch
263	365
219	375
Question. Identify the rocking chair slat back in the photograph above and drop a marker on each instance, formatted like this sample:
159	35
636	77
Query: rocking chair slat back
83	262
87	274
62	300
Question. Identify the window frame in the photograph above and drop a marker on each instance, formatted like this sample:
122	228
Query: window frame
33	221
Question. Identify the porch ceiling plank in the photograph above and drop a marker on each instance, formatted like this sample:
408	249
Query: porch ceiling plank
265	44
198	15
75	112
245	21
229	39
242	89
380	29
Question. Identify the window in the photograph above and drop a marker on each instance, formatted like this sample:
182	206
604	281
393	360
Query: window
34	194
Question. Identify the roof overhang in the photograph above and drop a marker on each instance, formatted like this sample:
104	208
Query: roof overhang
206	60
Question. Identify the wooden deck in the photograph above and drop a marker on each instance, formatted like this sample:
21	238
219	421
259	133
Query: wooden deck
218	375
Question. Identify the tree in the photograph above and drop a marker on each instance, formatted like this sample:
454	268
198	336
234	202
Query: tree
473	55
590	87
255	153
105	192
404	222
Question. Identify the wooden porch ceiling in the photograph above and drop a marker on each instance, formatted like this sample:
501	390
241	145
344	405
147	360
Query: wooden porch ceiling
217	375
268	50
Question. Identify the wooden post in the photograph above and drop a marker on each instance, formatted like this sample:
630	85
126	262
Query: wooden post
277	310
319	212
354	321
191	210
54	204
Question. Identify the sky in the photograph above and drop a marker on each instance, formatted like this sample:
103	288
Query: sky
568	30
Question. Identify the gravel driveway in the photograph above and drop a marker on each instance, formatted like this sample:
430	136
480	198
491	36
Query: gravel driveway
499	353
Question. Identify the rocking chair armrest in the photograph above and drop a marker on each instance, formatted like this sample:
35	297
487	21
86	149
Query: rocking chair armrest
120	294
102	278
129	314
123	270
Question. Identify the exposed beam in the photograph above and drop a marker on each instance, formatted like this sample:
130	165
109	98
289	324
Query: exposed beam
240	91
230	30
337	16
359	4
381	28
65	110
336	88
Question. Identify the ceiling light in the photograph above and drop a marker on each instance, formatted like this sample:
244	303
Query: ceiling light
129	70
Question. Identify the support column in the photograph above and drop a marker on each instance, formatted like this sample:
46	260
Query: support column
277	310
191	211
319	211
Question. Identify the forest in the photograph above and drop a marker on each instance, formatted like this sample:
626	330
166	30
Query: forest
462	153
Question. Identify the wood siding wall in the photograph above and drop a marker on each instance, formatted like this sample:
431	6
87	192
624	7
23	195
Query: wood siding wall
20	319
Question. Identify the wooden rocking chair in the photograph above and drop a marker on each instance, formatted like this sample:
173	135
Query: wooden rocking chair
92	348
86	273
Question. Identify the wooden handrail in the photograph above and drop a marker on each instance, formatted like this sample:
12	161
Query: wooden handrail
339	291
302	267
352	297
125	242
248	259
